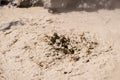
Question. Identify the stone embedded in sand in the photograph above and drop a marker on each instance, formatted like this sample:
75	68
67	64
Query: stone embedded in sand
7	26
52	10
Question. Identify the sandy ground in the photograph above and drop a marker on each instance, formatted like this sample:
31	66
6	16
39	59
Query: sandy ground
23	48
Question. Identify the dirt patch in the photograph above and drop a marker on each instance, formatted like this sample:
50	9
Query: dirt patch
81	47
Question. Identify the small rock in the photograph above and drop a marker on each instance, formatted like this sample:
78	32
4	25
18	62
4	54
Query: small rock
7	26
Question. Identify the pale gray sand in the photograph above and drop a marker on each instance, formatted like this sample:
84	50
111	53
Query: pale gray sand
23	49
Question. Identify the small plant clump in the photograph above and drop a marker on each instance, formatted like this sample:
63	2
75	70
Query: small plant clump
61	43
75	45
